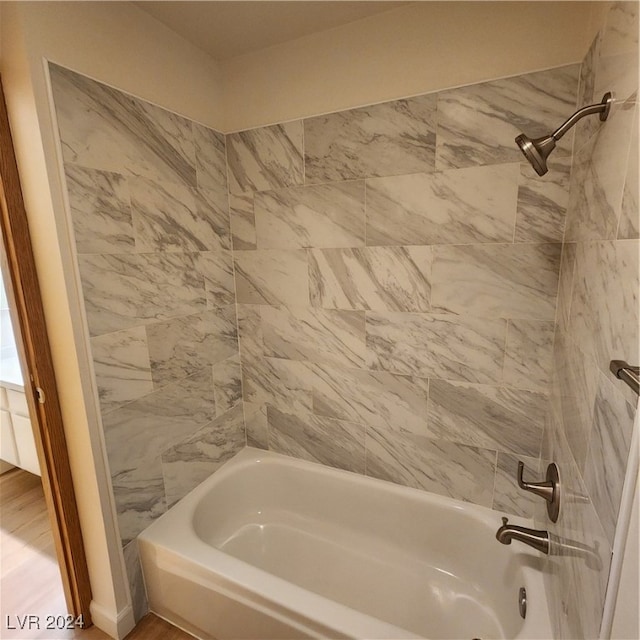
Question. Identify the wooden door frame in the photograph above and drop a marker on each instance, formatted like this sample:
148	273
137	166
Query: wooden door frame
41	390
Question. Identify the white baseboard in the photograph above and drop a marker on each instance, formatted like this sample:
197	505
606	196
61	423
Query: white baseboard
114	626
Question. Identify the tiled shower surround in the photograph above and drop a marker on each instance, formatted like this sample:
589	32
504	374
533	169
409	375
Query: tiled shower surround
148	201
592	414
374	289
396	276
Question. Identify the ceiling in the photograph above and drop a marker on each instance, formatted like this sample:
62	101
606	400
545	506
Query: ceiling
228	29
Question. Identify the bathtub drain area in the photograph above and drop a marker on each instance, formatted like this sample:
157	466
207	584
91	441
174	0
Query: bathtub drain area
522	602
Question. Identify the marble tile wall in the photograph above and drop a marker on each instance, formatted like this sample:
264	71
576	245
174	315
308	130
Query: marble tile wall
148	199
591	416
397	269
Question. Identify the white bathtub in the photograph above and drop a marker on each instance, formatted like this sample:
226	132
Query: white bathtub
274	547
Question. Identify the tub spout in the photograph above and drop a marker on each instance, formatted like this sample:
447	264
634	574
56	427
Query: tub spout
533	537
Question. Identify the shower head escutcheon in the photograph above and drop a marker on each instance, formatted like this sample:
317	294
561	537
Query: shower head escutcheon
537	150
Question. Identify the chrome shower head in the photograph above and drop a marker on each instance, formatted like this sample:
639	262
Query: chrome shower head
537	150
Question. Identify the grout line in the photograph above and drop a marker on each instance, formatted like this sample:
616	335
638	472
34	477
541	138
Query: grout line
304	156
366	212
495	481
503	382
235	290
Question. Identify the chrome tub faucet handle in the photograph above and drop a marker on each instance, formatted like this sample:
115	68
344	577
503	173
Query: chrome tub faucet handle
549	489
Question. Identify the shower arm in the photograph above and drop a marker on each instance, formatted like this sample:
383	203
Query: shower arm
602	108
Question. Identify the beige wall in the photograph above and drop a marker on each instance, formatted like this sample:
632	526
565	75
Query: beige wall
423	47
122	46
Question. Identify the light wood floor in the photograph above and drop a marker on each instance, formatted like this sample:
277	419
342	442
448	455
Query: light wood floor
30	582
